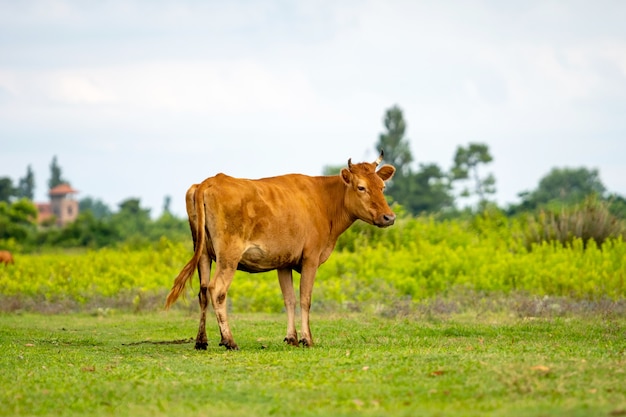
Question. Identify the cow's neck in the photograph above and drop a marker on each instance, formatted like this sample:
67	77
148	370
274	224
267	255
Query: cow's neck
331	198
340	218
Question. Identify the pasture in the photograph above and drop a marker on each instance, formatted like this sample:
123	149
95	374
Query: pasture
362	365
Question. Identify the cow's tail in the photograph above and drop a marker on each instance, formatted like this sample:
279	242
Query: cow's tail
199	246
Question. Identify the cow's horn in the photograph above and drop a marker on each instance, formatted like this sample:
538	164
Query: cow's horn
350	163
380	158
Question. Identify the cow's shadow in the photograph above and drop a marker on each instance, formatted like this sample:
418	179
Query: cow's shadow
161	342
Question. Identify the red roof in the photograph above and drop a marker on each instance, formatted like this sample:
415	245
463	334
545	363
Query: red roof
62	189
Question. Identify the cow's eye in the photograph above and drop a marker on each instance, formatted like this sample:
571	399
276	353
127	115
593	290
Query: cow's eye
360	188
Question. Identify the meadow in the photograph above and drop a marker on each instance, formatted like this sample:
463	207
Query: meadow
427	318
362	365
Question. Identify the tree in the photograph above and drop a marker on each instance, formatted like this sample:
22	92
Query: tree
18	219
170	227
56	178
88	231
466	163
7	191
167	202
427	190
617	205
131	220
397	152
393	142
563	185
99	209
26	185
132	207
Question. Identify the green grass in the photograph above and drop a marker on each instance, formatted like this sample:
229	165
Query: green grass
145	365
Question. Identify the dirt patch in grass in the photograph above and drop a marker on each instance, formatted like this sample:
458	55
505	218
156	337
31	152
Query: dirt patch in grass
517	304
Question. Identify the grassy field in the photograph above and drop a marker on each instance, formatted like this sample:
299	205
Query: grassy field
362	365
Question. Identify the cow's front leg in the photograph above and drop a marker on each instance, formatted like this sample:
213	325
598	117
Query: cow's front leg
219	291
204	273
306	289
285	278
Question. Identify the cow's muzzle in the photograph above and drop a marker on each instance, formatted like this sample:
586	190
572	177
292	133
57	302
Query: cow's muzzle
386	220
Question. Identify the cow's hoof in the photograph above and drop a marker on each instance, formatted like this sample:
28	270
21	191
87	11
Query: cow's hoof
306	343
201	345
291	341
229	345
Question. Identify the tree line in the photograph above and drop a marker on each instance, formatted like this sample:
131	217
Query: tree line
425	188
428	188
96	226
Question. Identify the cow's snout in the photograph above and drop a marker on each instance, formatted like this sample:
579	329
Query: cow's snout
386	220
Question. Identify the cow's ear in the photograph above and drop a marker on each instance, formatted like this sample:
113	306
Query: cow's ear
346	176
386	172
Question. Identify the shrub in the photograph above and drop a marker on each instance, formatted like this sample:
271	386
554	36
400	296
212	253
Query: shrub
590	220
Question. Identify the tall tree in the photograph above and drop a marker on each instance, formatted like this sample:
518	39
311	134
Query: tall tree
26	185
397	153
467	161
7	191
56	178
393	142
424	190
167	202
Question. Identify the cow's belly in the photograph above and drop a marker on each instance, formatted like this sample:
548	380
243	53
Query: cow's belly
257	259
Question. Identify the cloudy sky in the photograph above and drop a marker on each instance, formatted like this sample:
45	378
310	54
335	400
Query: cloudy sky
143	98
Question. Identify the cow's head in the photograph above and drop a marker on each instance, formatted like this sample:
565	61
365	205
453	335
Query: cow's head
364	191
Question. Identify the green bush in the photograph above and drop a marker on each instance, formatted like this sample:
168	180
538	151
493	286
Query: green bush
590	221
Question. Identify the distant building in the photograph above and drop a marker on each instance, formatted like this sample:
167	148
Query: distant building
62	206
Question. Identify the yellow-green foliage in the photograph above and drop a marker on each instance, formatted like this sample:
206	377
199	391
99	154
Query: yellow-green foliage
101	273
415	259
438	257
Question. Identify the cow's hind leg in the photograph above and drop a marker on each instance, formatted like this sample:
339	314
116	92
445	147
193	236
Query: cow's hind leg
285	278
307	279
218	288
204	273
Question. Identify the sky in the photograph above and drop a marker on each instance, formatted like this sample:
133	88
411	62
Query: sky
142	98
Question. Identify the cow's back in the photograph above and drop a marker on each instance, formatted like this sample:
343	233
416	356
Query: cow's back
6	257
269	221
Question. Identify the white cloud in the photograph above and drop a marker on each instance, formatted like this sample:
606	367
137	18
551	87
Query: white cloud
196	87
187	77
76	88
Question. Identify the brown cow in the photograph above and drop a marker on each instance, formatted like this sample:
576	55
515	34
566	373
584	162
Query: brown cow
6	257
289	222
